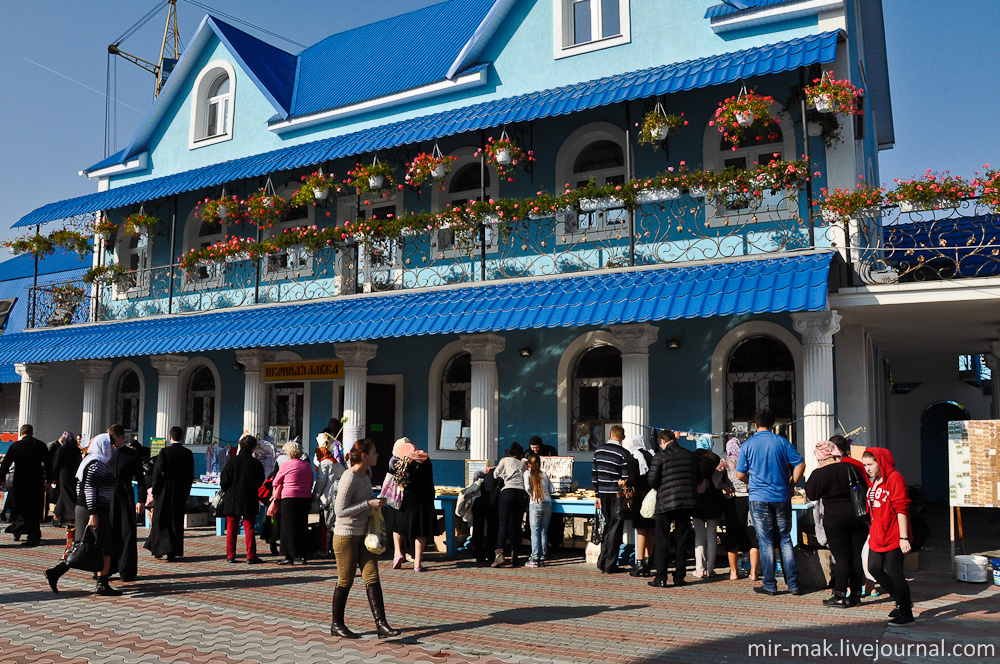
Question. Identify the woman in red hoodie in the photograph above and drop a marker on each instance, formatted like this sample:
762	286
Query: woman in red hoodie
889	535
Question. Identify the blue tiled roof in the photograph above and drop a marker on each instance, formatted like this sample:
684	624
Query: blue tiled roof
713	70
8	375
737	6
795	283
409	51
272	69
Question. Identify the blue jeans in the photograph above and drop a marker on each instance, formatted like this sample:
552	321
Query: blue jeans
774	521
538	518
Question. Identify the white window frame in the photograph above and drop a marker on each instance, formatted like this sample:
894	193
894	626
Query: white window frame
715	157
123	256
6	306
299	261
604	224
441	199
347	210
184	381
200	103
215	272
562	28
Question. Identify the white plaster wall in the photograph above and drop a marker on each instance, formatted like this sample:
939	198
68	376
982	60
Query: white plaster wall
852	368
60	402
905	411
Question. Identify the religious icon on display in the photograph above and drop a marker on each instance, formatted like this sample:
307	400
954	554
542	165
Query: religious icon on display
281	435
581	436
193	436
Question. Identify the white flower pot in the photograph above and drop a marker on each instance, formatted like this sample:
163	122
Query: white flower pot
376	181
939	204
409	232
504	157
223	212
661	133
320	194
491	219
697	192
744	118
241	256
121	282
438	172
268	202
595	204
830	216
868	213
824	104
357	237
657	195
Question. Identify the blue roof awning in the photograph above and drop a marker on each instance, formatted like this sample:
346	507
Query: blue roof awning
756	286
714	70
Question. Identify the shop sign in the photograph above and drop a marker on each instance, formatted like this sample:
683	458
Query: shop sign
282	372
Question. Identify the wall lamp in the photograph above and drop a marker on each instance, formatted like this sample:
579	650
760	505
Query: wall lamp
525	352
237	366
673	344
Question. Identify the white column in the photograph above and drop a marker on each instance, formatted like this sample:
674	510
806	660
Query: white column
31	376
634	341
356	356
484	421
817	330
254	390
94	372
993	362
168	393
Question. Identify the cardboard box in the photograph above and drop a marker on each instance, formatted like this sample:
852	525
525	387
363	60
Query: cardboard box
195	519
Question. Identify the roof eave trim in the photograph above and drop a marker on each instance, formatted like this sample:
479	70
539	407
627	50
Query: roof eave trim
770	15
473	79
139	163
484	32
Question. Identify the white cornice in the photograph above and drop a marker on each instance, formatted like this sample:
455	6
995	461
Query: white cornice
774	14
138	163
434	89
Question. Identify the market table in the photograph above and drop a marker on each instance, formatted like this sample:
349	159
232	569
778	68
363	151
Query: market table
197	489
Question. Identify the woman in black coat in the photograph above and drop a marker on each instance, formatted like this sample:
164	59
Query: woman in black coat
638	466
240	480
66	460
415	519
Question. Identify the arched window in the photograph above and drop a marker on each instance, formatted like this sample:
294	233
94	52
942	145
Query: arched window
133	253
212	104
456	396
200	410
467	182
596	397
760	374
198	235
595	152
128	401
294	261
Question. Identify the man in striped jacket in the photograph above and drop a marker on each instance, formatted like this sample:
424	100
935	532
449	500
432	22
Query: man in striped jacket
609	474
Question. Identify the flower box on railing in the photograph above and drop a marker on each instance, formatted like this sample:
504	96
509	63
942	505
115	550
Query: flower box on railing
698	192
918	206
237	257
657	195
596	204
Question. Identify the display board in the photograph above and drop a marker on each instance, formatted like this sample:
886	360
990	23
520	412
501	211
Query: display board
472	466
560	471
156	446
973	467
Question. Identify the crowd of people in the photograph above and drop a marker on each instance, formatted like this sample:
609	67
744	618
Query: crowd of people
861	504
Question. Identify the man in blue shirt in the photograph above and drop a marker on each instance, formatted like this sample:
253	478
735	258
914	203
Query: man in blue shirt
771	467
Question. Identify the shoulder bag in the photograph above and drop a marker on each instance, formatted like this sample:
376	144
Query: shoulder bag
859	494
87	554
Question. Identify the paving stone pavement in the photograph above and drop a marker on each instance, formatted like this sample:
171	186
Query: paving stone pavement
205	611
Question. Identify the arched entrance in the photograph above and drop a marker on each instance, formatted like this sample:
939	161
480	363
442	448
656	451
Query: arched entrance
934	446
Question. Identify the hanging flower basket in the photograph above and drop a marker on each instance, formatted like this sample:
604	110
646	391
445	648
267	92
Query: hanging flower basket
141	224
504	155
102	228
657	125
224	210
427	168
37	245
829	95
378	176
264	209
117	275
315	187
737	117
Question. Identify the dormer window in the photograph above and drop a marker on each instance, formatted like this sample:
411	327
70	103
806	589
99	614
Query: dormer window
212	105
582	26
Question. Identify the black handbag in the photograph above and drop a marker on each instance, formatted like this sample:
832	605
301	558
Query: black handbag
86	554
859	494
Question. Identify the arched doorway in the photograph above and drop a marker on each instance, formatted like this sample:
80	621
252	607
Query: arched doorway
934	446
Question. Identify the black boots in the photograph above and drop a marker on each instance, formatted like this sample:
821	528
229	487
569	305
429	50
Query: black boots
337	627
54	573
837	599
902	615
641	568
378	611
104	589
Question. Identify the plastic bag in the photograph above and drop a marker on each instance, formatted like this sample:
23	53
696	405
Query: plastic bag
375	534
391	491
648	508
597	528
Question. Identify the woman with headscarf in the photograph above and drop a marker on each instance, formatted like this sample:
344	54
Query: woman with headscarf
708	513
328	473
415	519
740	536
64	465
638	467
845	532
95	491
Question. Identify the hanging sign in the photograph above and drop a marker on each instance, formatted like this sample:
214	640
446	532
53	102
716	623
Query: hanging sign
281	372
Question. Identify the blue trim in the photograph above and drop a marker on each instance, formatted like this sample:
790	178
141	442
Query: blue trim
731	7
647	83
771	285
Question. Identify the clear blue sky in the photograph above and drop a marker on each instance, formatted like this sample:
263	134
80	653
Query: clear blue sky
943	67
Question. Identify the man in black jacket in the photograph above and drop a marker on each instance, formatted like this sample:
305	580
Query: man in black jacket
127	505
30	458
675	474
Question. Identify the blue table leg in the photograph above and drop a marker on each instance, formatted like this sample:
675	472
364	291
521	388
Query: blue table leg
449	529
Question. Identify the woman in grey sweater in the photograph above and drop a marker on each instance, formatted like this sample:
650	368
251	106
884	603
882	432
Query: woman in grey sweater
353	506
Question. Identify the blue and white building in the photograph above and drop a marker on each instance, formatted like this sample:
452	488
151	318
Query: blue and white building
688	313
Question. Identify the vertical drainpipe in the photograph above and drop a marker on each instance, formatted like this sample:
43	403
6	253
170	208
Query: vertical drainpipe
482	195
256	263
805	149
173	251
34	285
628	176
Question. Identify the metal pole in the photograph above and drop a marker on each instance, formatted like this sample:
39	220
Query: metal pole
34	285
482	197
628	176
173	252
805	149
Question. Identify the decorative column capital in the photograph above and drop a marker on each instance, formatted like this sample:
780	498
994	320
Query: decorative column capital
356	354
253	358
993	358
634	338
483	347
816	327
168	365
94	368
30	371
